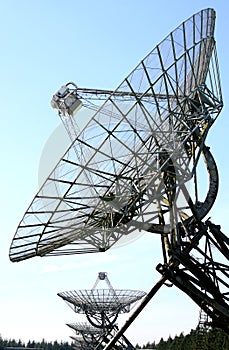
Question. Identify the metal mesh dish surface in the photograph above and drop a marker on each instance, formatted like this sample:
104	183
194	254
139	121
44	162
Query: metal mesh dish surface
117	155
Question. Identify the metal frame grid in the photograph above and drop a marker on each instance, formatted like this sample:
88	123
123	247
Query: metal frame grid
110	301
101	308
112	180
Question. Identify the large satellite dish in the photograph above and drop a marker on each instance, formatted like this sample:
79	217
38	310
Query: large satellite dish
139	165
128	167
90	334
102	307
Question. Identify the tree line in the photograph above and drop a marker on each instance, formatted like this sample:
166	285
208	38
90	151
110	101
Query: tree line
44	345
213	339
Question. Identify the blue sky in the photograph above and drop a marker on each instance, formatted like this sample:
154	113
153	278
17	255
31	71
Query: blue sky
95	44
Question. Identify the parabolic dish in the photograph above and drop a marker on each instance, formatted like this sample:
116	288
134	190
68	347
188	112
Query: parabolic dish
85	328
109	182
101	300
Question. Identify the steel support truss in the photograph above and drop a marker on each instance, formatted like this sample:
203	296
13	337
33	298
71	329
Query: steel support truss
195	271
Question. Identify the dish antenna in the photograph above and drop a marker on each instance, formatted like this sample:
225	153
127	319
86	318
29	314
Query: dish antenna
139	165
133	161
101	307
80	344
89	334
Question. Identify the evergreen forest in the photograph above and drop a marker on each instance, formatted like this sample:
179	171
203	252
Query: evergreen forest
213	339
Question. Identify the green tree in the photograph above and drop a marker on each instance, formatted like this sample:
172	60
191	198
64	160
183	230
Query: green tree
161	345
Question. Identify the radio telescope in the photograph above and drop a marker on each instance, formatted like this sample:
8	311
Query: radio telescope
90	335
101	307
142	164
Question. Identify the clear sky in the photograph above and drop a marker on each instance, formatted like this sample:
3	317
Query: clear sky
95	44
